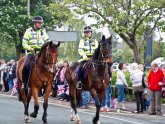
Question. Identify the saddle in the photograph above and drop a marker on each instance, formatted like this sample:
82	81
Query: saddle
84	70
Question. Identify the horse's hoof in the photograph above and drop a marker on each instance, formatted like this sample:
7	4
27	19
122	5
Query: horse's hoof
33	115
45	122
78	122
72	118
98	122
95	121
44	119
27	119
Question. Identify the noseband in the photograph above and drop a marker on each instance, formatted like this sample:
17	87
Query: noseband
107	55
102	62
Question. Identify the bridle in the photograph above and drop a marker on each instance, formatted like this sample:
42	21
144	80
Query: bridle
47	64
107	55
53	68
102	62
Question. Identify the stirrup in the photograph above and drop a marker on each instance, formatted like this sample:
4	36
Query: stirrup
23	86
79	85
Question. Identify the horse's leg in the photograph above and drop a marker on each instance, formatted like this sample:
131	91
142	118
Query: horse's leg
36	105
45	104
72	94
97	104
73	101
26	100
23	98
27	118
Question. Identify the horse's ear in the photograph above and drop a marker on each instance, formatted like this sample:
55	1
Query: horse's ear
110	39
51	42
103	38
58	44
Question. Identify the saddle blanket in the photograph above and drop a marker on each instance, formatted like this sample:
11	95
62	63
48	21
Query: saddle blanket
85	70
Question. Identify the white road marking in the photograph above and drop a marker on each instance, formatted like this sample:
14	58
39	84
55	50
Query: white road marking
124	120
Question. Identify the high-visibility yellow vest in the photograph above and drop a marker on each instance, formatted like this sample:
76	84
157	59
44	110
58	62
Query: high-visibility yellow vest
87	47
34	38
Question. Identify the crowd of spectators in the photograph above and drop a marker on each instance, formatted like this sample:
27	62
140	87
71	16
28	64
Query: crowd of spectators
8	79
147	89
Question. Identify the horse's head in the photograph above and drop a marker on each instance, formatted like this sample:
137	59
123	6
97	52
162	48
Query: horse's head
49	53
106	49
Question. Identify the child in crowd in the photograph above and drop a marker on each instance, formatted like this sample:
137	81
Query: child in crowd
57	80
106	100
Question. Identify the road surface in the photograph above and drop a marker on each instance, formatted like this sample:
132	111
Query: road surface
11	112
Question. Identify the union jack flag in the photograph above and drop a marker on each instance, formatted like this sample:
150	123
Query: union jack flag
67	91
60	89
14	89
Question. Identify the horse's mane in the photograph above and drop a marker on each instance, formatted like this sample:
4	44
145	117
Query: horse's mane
43	47
96	53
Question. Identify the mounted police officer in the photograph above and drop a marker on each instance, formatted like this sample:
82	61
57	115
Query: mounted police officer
86	49
33	39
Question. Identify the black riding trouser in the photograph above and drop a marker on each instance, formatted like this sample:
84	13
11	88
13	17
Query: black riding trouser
139	100
28	63
79	70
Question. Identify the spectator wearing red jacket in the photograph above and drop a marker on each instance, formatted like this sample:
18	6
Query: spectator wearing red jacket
155	79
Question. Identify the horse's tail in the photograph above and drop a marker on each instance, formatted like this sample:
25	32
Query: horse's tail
68	77
19	95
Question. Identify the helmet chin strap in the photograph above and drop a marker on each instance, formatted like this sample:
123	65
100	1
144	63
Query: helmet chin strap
36	27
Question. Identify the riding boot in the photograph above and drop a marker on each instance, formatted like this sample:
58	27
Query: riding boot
26	71
79	73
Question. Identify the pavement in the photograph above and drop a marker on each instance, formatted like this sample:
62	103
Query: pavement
130	106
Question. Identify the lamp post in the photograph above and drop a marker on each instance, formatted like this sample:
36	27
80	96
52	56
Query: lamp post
28	7
148	46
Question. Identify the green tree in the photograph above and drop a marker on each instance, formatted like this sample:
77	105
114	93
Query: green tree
127	55
117	55
127	18
14	19
158	49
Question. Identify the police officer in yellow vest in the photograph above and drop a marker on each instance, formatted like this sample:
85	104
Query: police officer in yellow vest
33	39
86	49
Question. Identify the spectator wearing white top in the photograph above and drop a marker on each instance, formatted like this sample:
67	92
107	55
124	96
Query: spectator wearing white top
121	83
136	76
2	68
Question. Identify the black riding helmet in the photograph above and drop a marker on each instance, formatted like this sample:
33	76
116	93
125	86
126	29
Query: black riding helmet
37	19
87	29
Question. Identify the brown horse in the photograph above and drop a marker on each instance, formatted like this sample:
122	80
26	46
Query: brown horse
97	79
41	76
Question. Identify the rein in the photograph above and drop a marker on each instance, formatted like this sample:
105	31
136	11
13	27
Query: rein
44	82
99	62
